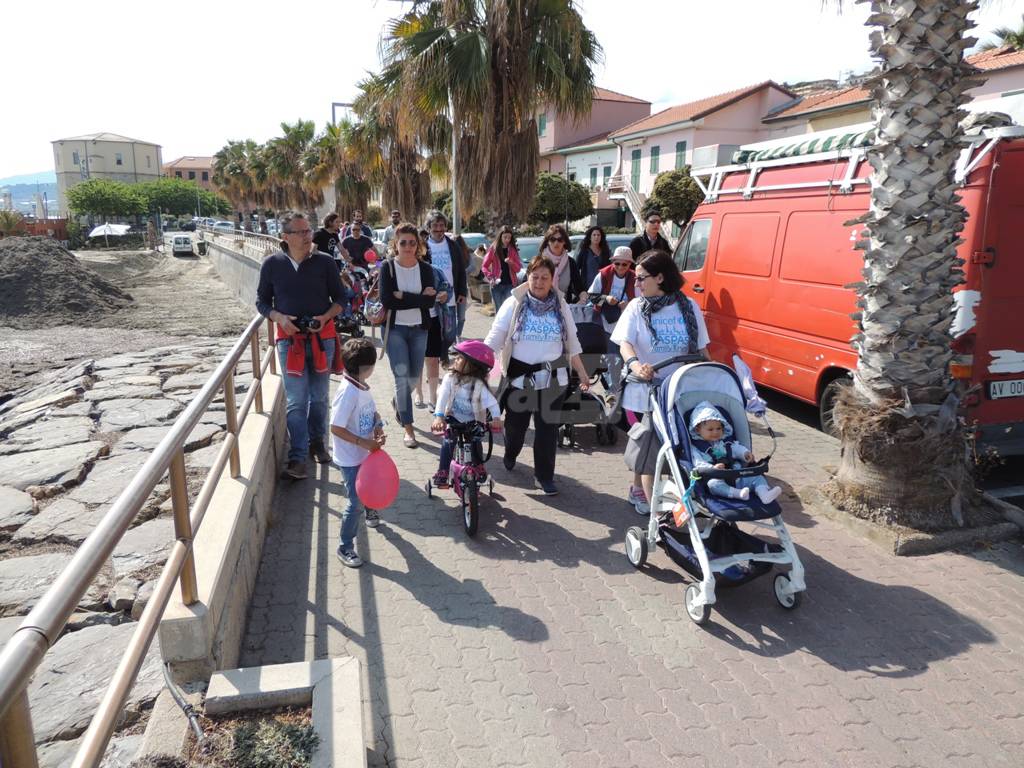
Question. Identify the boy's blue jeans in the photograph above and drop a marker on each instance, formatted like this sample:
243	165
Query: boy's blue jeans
353	512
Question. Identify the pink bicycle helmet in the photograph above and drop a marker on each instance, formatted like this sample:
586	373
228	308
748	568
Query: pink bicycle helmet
476	351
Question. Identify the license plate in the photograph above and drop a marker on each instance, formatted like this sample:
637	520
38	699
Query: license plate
1009	388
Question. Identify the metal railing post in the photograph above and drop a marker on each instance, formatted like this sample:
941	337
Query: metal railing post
272	345
232	422
257	369
183	527
17	741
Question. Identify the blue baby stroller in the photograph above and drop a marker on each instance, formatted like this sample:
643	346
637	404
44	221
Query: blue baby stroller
578	407
698	530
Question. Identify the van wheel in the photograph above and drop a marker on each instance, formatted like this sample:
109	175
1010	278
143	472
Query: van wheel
828	402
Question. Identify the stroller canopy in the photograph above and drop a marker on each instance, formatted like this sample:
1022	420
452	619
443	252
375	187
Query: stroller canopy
690	385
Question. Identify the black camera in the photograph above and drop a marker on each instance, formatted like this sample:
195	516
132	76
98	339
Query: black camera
307	323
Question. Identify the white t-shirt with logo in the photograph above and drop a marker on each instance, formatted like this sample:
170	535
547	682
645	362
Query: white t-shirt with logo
461	399
618	290
353	408
441	257
673	340
541	341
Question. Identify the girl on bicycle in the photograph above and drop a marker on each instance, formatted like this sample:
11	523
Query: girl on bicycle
464	396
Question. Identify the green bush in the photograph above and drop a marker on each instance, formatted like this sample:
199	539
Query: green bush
374	215
274	745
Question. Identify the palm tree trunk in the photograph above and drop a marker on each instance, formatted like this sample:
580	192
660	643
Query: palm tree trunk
904	452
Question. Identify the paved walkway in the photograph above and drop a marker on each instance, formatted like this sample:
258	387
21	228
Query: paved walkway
537	644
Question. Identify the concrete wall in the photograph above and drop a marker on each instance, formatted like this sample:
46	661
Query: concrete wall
239	272
199	639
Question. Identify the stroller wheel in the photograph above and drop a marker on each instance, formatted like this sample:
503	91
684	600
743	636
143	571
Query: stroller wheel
601	437
636	546
698	614
788	600
430	490
612	433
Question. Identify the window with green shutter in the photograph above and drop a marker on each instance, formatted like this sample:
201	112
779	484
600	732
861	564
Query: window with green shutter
680	154
542	123
593	177
605	175
655	156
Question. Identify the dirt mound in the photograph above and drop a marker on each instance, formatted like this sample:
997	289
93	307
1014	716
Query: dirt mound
43	284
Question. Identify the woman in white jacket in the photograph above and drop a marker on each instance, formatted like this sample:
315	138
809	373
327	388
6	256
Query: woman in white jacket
535	335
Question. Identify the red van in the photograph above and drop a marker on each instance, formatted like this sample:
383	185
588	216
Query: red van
768	252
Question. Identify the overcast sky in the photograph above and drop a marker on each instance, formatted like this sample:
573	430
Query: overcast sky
190	75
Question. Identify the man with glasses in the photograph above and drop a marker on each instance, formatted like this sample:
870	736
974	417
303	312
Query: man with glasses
301	291
651	239
389	233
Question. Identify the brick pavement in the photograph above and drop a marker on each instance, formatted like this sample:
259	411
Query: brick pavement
537	644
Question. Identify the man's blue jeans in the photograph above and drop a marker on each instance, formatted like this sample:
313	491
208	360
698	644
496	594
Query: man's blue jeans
353	512
307	397
407	347
460	313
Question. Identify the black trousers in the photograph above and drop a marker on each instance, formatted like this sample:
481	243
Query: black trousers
544	406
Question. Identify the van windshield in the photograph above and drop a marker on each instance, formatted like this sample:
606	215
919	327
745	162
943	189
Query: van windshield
693	248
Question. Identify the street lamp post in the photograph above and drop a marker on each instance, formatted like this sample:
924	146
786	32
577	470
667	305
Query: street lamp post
456	224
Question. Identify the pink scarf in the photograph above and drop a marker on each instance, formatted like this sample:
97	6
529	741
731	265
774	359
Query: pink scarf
561	262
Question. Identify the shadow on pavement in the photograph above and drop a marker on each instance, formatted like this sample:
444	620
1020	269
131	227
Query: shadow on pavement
850	623
455	601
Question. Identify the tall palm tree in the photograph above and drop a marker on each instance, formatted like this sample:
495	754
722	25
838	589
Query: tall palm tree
232	175
332	164
904	453
11	223
1008	37
494	62
287	158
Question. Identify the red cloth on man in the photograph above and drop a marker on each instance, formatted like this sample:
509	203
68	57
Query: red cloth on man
295	363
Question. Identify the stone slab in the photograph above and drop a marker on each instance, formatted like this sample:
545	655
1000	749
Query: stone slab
16	508
119	415
57	466
167	730
120	752
75	409
147	438
108	478
75	673
190	380
275	685
47	434
123	392
338	717
144	546
127	380
65	520
23	580
48	401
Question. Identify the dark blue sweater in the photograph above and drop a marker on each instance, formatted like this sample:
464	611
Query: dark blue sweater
308	290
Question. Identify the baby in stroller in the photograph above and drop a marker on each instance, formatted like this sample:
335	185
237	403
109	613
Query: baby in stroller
712	447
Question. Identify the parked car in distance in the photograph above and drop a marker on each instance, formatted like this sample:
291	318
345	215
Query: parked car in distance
273	228
181	244
188	226
226	227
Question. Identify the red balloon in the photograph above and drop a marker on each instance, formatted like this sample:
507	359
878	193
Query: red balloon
371	257
377	481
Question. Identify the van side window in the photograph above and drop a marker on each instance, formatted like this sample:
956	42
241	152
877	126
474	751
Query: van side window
693	249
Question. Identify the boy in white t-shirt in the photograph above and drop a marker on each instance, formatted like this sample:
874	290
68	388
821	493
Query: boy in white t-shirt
356	432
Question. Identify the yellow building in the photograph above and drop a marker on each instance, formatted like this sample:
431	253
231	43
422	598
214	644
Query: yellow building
103	156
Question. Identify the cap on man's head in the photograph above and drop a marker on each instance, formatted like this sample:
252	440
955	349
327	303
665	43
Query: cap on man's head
623	253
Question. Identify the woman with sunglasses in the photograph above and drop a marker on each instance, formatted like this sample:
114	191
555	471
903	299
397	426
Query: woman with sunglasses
535	335
661	323
501	266
612	289
407	291
568	280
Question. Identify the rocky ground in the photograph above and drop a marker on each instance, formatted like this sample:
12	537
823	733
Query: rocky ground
69	446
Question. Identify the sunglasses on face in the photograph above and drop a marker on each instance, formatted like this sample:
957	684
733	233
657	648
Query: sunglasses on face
406	242
622	263
556	239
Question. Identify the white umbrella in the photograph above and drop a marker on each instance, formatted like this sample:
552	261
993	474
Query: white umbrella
109	229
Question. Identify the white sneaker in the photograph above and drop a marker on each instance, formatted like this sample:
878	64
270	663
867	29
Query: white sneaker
768	495
638	499
744	494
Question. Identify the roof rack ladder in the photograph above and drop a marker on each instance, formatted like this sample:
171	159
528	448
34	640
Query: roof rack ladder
846	186
748	191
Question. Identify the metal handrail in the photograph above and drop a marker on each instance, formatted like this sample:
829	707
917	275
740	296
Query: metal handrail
42	627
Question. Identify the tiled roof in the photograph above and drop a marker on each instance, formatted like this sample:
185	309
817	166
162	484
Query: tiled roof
105	137
817	102
603	94
997	58
694	110
600	138
191	161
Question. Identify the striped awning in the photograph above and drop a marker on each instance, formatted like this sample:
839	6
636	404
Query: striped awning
808	147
